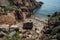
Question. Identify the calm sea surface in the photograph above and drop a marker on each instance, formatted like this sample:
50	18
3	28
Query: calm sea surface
49	7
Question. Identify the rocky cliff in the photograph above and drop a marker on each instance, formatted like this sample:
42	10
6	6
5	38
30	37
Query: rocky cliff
22	9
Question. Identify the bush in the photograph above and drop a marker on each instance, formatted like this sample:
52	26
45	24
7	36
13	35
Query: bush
11	2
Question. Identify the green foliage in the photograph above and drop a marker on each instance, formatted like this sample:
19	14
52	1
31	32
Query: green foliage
7	9
2	6
11	2
14	37
55	19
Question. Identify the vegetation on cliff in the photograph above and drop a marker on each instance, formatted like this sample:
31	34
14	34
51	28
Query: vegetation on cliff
6	8
52	31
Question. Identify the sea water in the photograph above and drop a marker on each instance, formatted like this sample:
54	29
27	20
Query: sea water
48	8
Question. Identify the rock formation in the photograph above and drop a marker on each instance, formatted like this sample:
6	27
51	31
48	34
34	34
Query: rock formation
23	9
25	5
30	4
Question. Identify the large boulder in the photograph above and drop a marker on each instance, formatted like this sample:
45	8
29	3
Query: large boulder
28	25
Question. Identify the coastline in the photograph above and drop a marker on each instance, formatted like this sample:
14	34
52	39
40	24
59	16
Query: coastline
13	22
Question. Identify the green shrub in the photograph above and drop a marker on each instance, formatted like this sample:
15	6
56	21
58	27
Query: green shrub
11	2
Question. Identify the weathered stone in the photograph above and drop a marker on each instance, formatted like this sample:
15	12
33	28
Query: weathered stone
5	26
30	36
37	31
14	28
12	33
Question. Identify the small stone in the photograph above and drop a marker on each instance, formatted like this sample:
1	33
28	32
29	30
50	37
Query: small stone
20	35
14	26
11	29
37	31
30	36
